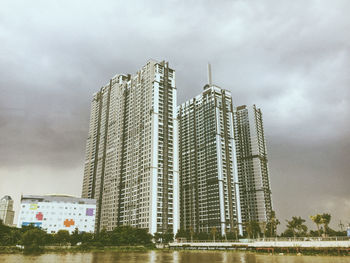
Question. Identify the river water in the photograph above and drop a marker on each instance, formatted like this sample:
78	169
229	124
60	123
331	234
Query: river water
170	257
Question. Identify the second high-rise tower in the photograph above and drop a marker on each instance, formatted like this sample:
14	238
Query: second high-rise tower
209	192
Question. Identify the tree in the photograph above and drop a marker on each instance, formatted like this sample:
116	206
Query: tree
124	235
62	237
317	219
103	237
127	235
164	237
33	240
231	235
263	226
202	236
15	236
75	237
252	229
86	238
325	220
296	225
158	237
142	237
168	237
255	227
272	223
181	233
235	230
191	233
213	232
5	234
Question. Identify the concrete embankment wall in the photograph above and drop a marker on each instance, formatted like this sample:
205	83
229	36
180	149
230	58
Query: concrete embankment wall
316	244
263	244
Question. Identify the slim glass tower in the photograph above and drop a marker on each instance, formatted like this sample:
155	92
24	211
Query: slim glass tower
131	163
209	192
253	172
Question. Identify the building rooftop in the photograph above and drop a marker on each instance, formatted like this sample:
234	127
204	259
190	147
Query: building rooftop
56	198
242	107
6	197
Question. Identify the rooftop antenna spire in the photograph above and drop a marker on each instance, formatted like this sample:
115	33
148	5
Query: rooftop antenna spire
209	75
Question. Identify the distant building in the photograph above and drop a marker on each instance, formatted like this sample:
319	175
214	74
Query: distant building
57	212
131	162
209	191
253	172
6	210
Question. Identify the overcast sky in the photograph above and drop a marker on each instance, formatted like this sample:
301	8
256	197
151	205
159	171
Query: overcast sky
290	58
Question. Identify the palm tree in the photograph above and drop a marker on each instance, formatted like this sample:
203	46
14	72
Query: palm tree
235	229
213	232
297	225
317	219
325	220
292	225
273	222
248	229
253	229
262	226
191	233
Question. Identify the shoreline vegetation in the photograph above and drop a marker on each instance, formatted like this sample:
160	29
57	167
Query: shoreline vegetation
30	239
33	240
74	249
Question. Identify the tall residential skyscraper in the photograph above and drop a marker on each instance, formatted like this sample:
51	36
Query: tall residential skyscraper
131	163
6	210
253	172
209	191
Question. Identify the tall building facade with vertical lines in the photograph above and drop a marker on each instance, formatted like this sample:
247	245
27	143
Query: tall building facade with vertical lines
253	172
209	192
131	163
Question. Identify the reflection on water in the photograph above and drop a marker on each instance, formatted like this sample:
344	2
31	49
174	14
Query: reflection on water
170	257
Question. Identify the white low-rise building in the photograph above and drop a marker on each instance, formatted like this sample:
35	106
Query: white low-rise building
57	212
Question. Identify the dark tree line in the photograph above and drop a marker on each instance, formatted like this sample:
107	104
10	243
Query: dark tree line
296	227
35	239
253	229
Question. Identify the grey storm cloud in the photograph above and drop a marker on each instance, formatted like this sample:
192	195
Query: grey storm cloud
291	59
